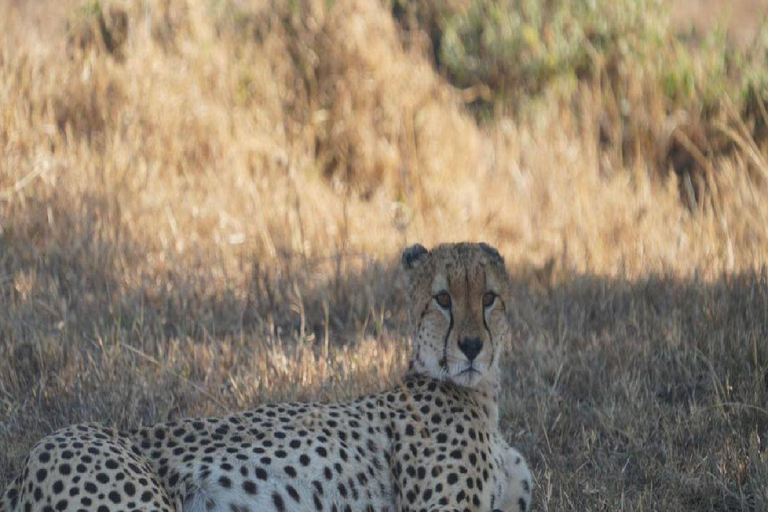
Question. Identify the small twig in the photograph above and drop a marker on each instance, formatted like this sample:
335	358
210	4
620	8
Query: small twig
8	193
744	139
694	151
745	146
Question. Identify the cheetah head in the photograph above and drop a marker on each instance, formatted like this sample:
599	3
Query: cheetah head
457	298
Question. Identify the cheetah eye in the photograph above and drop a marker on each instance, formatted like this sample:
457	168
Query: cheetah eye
443	299
488	299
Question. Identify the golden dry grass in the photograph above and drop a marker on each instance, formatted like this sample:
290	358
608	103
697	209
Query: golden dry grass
202	210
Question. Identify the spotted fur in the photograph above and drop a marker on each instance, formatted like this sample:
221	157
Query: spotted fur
513	479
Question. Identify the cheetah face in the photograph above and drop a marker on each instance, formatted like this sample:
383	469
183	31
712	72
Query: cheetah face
457	295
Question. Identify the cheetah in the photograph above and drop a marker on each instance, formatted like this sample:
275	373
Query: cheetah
431	443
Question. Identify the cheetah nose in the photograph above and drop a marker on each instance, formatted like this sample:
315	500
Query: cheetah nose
471	347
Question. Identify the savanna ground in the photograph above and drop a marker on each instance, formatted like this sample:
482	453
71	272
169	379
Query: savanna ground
202	204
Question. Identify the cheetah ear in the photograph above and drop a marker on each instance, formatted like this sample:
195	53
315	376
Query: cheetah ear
413	256
492	252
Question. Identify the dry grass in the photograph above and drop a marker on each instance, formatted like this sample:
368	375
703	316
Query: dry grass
202	204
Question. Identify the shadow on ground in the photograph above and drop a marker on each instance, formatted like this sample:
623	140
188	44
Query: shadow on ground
624	395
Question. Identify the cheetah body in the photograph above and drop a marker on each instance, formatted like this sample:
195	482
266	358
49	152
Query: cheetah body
281	457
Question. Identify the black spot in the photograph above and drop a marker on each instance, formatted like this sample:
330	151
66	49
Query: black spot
292	493
249	487
278	501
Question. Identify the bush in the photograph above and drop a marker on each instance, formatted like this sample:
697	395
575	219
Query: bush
676	100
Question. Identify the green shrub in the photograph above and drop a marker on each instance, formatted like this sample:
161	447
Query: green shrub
524	46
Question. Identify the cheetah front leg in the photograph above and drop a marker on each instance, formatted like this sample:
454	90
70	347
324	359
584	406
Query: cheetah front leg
513	479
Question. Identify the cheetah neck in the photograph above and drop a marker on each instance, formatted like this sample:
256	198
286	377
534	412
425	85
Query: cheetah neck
485	397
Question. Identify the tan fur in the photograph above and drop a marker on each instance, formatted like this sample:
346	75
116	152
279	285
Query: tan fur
466	272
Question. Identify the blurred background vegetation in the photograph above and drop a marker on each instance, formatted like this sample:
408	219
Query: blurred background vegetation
202	203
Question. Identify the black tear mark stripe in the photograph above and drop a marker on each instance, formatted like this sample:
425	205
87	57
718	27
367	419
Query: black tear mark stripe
504	310
490	338
417	355
424	311
485	324
444	362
